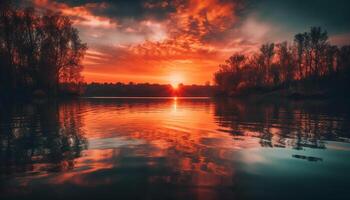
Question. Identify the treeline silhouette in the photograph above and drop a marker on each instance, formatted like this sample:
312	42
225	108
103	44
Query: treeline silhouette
39	52
308	66
146	90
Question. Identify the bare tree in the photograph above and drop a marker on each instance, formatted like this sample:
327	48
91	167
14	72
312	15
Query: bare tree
318	40
267	53
285	61
38	51
299	40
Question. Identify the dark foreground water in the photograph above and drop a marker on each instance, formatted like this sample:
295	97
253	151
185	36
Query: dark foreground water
174	149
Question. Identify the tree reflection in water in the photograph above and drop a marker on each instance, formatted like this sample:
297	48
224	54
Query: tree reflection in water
285	124
38	138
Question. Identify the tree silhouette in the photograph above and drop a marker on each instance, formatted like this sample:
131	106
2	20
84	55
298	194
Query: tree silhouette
267	52
318	45
299	40
229	74
38	51
311	63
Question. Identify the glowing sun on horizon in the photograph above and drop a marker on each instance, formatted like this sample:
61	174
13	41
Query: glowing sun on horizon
175	86
175	80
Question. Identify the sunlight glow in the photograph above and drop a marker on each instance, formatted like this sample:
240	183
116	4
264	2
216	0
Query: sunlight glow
175	86
175	81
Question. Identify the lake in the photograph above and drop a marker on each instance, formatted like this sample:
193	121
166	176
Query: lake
174	148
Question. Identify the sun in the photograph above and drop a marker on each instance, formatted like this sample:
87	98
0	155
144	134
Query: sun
175	86
175	80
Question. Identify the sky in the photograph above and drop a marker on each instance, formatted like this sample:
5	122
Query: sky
184	41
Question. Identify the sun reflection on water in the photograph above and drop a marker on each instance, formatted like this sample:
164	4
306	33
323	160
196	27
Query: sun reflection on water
175	104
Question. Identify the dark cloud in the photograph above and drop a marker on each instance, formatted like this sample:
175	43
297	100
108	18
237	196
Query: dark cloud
333	15
135	9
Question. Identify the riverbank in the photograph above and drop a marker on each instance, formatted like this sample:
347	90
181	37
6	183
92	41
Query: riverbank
300	90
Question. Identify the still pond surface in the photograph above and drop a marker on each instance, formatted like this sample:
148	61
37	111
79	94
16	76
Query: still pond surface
174	148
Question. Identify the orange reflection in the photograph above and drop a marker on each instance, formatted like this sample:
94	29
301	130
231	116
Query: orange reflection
178	142
187	145
93	160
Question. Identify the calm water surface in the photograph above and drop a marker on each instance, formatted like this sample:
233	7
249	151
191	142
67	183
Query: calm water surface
174	148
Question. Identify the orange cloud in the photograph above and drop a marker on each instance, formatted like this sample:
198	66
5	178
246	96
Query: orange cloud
186	50
190	42
80	15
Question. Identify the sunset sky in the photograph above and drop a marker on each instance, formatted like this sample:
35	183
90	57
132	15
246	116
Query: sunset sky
183	41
